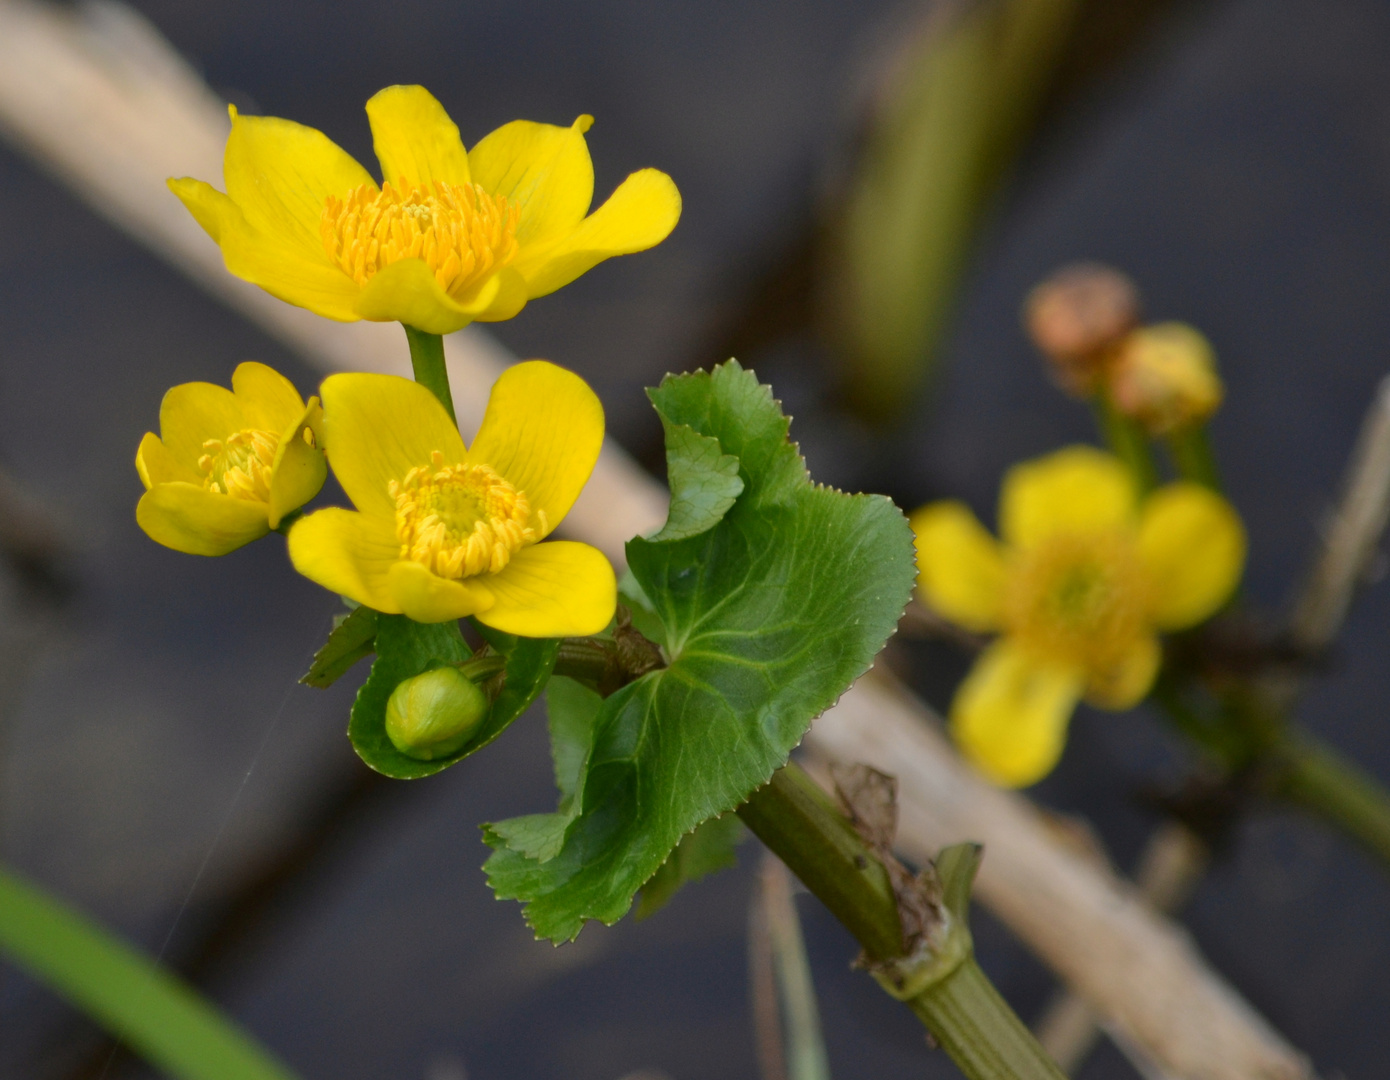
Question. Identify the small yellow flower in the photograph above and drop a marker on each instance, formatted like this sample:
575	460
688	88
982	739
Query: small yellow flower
1085	579
441	531
1164	376
228	465
450	236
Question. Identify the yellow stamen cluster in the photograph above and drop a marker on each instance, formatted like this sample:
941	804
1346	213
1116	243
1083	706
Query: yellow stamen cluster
240	465
460	520
1079	600
460	231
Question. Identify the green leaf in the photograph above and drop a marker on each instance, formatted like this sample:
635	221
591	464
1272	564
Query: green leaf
157	1015
704	483
405	649
711	847
767	618
352	638
572	708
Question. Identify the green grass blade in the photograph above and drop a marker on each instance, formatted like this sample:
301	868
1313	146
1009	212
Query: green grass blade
159	1017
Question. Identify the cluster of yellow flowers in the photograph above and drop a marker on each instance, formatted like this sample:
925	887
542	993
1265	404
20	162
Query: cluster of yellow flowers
440	530
1086	577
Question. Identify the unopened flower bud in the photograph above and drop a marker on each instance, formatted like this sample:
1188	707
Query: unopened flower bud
1165	378
1077	317
434	714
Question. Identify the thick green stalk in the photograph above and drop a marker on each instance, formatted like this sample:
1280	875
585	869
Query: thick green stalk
427	359
1316	777
1128	442
1190	450
948	993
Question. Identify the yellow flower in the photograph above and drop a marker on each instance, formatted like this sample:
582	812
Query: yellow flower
1085	579
441	531
228	465
450	237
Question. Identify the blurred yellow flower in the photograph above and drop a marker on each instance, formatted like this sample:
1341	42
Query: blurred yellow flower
441	531
450	236
228	465
1086	577
1164	377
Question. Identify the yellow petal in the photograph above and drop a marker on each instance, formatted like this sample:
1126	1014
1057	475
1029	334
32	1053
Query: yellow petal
192	413
1125	683
210	208
1010	715
960	569
557	589
280	174
543	169
639	215
156	465
414	138
1074	490
376	429
429	598
408	292
1192	544
508	299
347	553
299	469
270	400
281	265
192	519
542	432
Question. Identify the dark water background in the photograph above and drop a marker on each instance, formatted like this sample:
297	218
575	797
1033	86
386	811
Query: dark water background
1239	169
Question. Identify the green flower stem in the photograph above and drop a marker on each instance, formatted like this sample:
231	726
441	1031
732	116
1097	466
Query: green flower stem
427	358
1312	775
1190	449
961	1008
1128	441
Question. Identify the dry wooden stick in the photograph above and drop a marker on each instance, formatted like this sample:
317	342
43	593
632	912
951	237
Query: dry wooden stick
105	104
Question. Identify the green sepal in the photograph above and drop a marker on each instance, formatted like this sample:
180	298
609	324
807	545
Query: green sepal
352	638
710	848
767	617
404	649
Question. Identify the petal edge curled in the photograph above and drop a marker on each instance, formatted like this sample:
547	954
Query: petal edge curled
638	215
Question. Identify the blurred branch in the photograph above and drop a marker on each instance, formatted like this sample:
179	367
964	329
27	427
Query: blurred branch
110	124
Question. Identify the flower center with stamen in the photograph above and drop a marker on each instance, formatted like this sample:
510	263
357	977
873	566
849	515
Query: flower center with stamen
1079	599
240	464
462	233
461	520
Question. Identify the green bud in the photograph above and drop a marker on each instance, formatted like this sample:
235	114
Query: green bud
434	714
